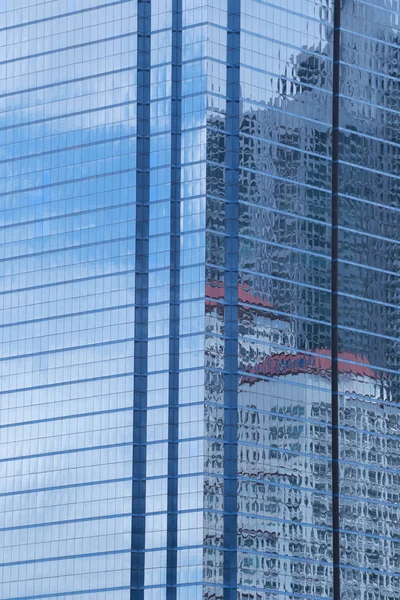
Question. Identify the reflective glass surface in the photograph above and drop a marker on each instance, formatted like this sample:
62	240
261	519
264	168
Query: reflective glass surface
67	184
199	299
369	358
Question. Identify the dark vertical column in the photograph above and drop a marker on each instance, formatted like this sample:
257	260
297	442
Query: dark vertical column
335	251
141	300
231	299
172	524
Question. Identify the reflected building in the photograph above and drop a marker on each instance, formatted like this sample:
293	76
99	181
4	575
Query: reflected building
199	300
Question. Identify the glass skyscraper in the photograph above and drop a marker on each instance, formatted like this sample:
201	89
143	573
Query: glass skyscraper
200	299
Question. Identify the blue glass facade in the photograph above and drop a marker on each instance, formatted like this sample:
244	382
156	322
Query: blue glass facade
199	300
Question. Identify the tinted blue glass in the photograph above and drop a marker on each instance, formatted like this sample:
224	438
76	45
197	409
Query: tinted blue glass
369	301
67	297
199	299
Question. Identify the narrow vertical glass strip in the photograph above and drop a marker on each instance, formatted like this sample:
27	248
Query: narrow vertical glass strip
231	298
141	300
334	299
173	411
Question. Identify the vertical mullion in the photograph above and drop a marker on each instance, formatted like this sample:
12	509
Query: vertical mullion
141	301
334	314
231	299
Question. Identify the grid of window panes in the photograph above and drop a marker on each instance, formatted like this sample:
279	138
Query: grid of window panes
67	185
215	330
234	496
369	297
190	455
187	120
159	301
284	491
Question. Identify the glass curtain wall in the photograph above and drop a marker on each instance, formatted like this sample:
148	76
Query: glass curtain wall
199	275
